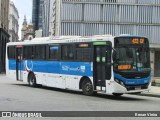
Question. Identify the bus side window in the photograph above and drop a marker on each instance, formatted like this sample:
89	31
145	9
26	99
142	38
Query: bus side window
84	54
68	52
39	52
11	52
27	52
54	52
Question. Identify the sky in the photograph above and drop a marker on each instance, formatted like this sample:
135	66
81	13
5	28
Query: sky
24	8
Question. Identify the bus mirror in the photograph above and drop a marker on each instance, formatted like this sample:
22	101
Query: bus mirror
114	56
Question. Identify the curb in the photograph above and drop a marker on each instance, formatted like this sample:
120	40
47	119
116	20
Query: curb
150	94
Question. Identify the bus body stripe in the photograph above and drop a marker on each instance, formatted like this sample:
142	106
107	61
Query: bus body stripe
69	68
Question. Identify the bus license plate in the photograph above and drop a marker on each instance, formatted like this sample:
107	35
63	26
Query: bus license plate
138	88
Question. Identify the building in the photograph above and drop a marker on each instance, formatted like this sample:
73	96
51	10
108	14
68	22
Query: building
37	14
38	33
40	16
54	24
115	17
13	22
4	36
45	18
27	31
4	21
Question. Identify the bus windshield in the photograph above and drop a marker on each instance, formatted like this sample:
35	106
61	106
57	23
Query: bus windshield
132	58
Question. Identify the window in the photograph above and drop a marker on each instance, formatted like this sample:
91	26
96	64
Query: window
84	54
27	52
35	52
54	52
11	52
39	52
68	52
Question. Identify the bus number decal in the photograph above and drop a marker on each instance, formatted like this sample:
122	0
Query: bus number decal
124	67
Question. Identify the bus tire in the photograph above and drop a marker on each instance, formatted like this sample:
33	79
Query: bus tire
117	94
32	80
87	87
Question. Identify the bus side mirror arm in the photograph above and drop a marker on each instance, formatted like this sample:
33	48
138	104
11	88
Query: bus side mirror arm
114	55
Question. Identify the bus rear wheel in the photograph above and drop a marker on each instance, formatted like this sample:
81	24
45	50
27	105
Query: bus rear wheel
87	88
32	80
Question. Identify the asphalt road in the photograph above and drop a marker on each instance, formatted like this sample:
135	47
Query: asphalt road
17	96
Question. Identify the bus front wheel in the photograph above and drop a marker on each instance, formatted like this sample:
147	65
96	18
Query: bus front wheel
32	80
117	94
87	88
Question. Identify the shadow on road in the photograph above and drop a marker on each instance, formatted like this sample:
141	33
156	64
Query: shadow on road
105	96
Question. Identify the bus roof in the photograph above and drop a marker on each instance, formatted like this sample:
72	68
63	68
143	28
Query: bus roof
128	35
64	39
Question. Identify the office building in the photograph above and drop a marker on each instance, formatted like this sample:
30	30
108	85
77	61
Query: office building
13	22
4	36
37	14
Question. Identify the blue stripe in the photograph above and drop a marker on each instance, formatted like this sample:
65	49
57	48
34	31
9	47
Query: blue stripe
132	81
69	68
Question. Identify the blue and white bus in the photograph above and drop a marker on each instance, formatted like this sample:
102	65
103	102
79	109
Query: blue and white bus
82	63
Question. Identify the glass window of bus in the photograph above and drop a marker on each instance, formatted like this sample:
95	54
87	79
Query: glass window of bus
68	52
39	52
11	52
84	54
28	52
54	52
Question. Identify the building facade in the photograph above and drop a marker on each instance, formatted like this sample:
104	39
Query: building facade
115	17
4	21
52	18
13	22
27	31
4	36
45	18
37	14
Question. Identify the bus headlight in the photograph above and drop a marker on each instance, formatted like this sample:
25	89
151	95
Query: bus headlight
119	82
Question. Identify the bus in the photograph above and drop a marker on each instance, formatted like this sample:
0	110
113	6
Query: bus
95	64
131	66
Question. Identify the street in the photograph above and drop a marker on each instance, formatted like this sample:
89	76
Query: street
17	96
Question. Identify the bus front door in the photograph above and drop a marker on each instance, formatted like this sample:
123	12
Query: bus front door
19	62
102	64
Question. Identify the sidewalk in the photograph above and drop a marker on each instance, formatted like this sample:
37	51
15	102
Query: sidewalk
154	92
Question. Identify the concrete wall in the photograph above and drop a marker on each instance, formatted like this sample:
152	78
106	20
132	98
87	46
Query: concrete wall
157	64
94	17
152	58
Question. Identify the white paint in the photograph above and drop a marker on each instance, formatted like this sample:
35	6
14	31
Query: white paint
114	87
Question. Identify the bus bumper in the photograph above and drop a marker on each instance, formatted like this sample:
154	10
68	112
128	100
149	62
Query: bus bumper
114	87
